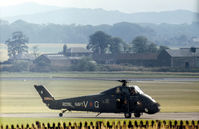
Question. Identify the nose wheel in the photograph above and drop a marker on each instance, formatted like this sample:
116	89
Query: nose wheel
61	114
137	114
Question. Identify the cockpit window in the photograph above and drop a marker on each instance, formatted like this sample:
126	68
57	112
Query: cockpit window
149	98
117	90
132	90
135	90
138	90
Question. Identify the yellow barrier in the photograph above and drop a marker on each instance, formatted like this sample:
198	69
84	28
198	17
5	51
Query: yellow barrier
128	124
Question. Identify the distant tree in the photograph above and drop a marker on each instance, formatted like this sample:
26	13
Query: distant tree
18	67
84	64
17	44
35	51
152	48
140	44
99	42
126	47
116	45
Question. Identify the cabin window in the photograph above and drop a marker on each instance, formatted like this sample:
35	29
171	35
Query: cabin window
132	91
118	90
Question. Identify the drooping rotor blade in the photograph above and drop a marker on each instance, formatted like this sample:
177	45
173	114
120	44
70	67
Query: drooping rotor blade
119	79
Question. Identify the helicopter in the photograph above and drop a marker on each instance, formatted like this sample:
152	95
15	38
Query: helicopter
120	99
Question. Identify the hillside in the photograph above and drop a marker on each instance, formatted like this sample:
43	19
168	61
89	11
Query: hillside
163	34
43	14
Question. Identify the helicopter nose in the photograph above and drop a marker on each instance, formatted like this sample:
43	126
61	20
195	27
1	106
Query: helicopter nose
154	108
157	107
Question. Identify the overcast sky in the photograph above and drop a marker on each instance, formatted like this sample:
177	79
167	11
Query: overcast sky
129	6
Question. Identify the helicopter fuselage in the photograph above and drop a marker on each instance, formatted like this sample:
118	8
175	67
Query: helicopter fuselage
116	100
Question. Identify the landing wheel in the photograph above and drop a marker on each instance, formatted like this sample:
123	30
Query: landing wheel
137	114
60	114
127	115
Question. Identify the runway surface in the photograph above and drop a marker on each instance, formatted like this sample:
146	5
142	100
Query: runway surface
157	116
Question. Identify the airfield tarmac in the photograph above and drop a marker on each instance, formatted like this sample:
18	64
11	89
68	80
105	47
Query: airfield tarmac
157	116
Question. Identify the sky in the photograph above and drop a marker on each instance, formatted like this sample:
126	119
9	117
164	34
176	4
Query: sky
128	6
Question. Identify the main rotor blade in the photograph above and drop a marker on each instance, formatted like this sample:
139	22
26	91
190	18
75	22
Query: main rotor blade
122	79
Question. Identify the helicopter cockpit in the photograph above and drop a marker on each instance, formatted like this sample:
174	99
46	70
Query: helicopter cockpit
138	90
127	90
135	90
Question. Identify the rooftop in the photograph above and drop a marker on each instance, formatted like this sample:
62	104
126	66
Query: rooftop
183	52
55	56
78	50
60	57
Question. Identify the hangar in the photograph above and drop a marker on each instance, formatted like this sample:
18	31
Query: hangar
183	57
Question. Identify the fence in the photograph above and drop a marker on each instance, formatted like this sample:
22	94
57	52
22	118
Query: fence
131	124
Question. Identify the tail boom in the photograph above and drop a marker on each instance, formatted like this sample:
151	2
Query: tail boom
44	93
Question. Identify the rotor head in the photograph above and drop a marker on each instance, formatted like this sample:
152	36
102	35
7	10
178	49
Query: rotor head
124	82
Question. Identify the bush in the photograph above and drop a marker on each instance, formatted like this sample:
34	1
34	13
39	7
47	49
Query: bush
17	67
84	64
36	68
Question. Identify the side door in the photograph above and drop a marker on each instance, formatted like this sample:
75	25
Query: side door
108	104
133	102
122	100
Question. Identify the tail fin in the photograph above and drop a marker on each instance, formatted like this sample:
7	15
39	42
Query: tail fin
43	92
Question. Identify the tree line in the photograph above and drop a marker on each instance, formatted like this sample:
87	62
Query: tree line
162	34
102	43
99	42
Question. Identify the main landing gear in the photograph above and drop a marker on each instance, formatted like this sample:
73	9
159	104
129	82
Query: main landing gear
137	114
61	114
128	115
